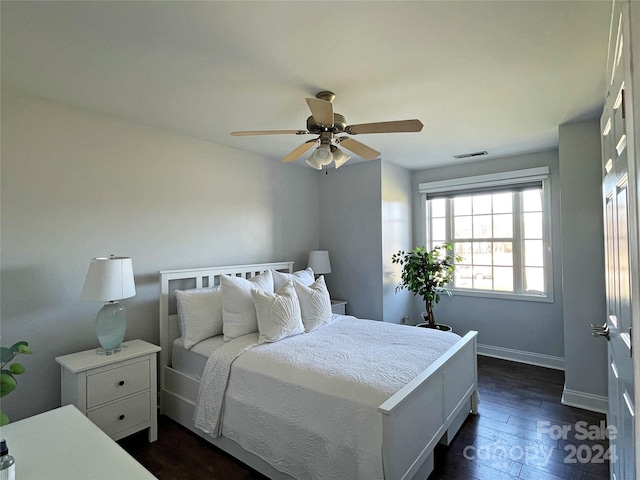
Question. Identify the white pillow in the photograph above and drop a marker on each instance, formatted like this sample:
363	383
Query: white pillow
278	313
315	304
303	276
238	312
199	314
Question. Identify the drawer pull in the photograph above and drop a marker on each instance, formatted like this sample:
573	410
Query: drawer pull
121	417
121	382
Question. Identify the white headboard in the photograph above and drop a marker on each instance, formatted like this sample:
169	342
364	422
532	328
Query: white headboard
172	280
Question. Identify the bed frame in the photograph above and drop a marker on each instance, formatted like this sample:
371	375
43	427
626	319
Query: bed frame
428	410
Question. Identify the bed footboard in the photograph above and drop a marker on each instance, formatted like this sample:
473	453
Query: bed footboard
431	406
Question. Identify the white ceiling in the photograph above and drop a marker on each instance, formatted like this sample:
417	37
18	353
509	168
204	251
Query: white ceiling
481	75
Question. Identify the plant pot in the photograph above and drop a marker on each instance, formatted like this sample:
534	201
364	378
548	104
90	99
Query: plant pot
439	326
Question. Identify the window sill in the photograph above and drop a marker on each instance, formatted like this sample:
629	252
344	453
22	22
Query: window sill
502	295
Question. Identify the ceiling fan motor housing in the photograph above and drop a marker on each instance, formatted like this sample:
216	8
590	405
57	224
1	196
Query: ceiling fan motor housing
339	124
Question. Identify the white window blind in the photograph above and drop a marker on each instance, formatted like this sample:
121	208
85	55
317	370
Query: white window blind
513	180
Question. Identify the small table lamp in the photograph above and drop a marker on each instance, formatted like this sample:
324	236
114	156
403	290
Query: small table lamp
319	262
109	280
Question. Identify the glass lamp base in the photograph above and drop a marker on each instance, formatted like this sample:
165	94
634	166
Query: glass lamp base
102	351
111	325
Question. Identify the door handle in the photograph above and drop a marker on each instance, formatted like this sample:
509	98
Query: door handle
600	330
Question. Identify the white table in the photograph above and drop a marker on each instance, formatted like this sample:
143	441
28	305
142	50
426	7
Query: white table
64	444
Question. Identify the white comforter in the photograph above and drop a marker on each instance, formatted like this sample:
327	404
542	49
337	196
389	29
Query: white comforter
308	404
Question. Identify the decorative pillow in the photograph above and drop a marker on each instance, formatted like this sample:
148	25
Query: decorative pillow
315	304
278	313
303	276
238	312
199	314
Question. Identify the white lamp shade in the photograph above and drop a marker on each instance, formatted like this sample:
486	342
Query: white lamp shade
339	157
319	262
313	163
322	156
109	279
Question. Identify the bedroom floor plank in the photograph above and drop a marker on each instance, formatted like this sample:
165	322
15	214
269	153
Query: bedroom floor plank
514	397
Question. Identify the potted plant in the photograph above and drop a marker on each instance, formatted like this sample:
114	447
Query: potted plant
8	372
426	273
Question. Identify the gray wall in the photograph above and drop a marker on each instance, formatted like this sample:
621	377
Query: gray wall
583	269
525	326
396	235
76	185
366	217
350	229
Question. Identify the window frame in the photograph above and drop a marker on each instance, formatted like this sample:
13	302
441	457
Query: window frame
490	183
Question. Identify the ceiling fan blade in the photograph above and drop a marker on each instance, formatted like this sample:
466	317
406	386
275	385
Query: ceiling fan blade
268	132
385	127
321	111
299	151
358	148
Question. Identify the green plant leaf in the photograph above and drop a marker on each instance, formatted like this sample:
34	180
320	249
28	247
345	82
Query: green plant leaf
7	383
16	347
16	368
4	419
6	354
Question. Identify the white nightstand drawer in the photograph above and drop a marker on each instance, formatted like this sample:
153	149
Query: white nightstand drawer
117	383
122	415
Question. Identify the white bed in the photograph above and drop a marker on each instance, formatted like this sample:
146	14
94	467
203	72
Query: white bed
428	409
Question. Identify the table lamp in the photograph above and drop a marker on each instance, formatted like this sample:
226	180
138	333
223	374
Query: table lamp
110	279
319	262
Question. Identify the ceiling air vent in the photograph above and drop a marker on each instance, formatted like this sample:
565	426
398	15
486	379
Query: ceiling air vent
470	155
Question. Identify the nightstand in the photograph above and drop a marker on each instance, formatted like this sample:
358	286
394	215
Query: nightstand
116	392
338	307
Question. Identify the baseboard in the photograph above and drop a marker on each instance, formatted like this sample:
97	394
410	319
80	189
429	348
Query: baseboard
587	401
538	359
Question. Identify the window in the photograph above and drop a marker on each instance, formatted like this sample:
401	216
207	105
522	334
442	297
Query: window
499	226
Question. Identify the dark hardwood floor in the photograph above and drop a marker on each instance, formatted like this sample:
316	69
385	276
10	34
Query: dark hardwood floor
179	454
522	432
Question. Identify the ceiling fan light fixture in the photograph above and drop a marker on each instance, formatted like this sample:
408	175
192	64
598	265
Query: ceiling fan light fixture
322	156
313	163
339	157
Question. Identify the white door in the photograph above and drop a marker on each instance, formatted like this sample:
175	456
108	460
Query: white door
621	244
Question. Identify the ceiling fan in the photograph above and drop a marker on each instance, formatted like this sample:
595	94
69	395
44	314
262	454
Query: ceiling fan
327	124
